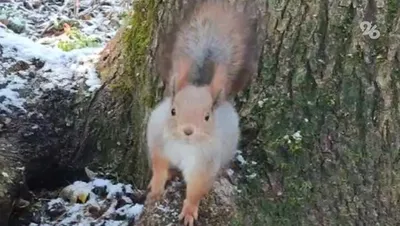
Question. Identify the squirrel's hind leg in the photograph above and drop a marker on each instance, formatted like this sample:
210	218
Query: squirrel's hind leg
197	186
160	168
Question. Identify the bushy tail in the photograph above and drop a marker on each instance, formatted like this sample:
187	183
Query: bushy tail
213	37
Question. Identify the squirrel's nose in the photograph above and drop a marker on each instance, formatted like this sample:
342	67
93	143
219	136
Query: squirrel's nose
188	131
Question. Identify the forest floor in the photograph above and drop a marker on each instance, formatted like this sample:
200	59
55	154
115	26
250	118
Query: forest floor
44	45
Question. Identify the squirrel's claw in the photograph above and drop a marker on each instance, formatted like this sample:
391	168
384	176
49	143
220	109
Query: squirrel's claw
189	221
154	196
189	213
156	192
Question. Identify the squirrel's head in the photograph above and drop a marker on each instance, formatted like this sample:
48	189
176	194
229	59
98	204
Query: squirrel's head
192	108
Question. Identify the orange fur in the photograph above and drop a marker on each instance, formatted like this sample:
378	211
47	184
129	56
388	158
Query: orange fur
197	187
228	40
212	58
160	168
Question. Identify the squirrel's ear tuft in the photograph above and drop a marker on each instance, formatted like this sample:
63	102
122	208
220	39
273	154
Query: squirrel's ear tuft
180	77
217	99
219	86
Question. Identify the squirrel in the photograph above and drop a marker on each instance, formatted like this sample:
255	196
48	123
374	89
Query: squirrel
196	128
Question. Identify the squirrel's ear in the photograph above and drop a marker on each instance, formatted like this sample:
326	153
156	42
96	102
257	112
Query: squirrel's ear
219	85
181	76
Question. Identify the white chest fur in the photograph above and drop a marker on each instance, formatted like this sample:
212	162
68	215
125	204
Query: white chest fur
188	157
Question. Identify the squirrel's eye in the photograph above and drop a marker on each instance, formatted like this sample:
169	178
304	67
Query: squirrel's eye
207	117
173	112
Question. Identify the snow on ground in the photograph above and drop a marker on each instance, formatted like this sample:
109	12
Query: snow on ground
104	203
240	158
46	45
49	44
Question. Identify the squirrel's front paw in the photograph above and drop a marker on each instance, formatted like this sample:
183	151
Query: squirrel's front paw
189	213
155	194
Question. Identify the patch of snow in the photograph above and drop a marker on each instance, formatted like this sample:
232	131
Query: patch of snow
75	208
134	211
130	211
240	158
22	48
114	189
77	213
38	27
80	187
10	95
58	66
297	136
54	202
114	223
128	189
127	199
59	69
98	182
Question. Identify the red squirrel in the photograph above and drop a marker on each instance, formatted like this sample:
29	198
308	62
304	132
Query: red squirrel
196	128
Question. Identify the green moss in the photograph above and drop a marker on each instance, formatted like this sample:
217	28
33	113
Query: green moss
137	39
393	7
136	87
77	40
326	177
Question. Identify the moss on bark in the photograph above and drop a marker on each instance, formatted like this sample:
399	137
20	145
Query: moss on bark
123	104
339	88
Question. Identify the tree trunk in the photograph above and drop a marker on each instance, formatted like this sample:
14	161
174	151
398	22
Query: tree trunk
321	76
130	65
48	146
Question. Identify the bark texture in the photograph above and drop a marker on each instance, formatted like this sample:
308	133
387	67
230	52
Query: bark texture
321	76
217	208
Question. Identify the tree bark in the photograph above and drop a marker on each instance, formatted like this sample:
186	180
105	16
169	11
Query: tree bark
321	76
131	66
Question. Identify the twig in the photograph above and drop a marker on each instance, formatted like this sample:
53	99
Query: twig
88	10
48	26
76	8
64	6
